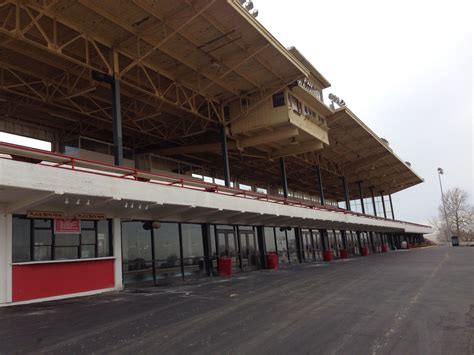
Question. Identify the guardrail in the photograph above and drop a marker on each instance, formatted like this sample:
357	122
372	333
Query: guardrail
62	161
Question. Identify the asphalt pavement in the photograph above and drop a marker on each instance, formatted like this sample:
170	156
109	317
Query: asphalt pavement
404	302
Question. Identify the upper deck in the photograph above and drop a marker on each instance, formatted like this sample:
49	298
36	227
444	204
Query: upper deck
31	179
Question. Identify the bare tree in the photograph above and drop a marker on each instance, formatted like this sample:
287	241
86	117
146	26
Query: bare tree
459	214
442	233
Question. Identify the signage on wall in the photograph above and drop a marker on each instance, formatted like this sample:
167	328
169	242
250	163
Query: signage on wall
94	216
45	214
57	214
67	226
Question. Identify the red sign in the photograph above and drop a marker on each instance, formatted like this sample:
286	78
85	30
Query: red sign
67	226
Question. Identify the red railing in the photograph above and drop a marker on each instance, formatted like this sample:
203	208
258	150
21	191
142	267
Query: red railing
62	161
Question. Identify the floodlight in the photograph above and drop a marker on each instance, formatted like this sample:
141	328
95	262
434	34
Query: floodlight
248	5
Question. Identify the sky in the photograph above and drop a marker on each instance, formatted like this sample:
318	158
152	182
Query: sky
405	68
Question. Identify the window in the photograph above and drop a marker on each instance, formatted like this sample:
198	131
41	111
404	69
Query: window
295	104
21	239
193	249
278	99
281	245
270	239
309	112
34	240
167	253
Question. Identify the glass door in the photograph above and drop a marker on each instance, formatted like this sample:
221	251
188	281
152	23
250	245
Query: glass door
292	245
332	243
137	253
318	245
249	254
307	241
228	246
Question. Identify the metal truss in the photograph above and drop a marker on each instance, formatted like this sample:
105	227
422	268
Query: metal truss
37	24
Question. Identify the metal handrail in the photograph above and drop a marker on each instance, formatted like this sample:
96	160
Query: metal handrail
63	161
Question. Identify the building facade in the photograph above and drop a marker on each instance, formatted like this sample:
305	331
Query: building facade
176	145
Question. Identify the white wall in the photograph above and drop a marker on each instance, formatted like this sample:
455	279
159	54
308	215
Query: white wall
5	258
117	233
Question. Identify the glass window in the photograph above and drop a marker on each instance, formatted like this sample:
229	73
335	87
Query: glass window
192	240
87	251
87	225
39	234
42	223
278	99
292	249
269	239
61	253
167	242
104	247
66	240
295	104
167	251
42	253
213	241
21	230
136	242
88	237
43	236
281	245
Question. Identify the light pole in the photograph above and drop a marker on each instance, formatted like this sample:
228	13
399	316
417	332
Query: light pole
440	172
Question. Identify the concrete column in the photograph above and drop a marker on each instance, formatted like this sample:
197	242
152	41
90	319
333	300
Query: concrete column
373	201
5	258
117	234
320	184
391	206
372	242
324	238
361	196
117	122
225	155
345	187
344	238
383	205
284	180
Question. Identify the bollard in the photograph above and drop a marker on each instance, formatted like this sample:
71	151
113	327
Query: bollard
225	266
272	261
327	255
343	253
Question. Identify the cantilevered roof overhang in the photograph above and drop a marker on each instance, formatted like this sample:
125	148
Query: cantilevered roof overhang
365	157
177	60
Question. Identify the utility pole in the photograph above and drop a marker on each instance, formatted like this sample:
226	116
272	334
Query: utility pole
440	172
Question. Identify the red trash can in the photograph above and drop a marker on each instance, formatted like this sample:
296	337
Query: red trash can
343	253
384	248
272	261
225	266
327	255
364	251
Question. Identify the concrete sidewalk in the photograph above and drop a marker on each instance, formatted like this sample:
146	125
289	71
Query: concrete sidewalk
411	302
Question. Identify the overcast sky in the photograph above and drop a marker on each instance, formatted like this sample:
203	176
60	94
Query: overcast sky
405	68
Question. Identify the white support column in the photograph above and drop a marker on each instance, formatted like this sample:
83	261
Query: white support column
117	232
5	258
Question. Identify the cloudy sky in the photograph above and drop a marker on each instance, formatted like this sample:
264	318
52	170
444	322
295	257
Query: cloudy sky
405	68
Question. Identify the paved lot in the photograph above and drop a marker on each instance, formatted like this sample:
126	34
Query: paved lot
406	302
